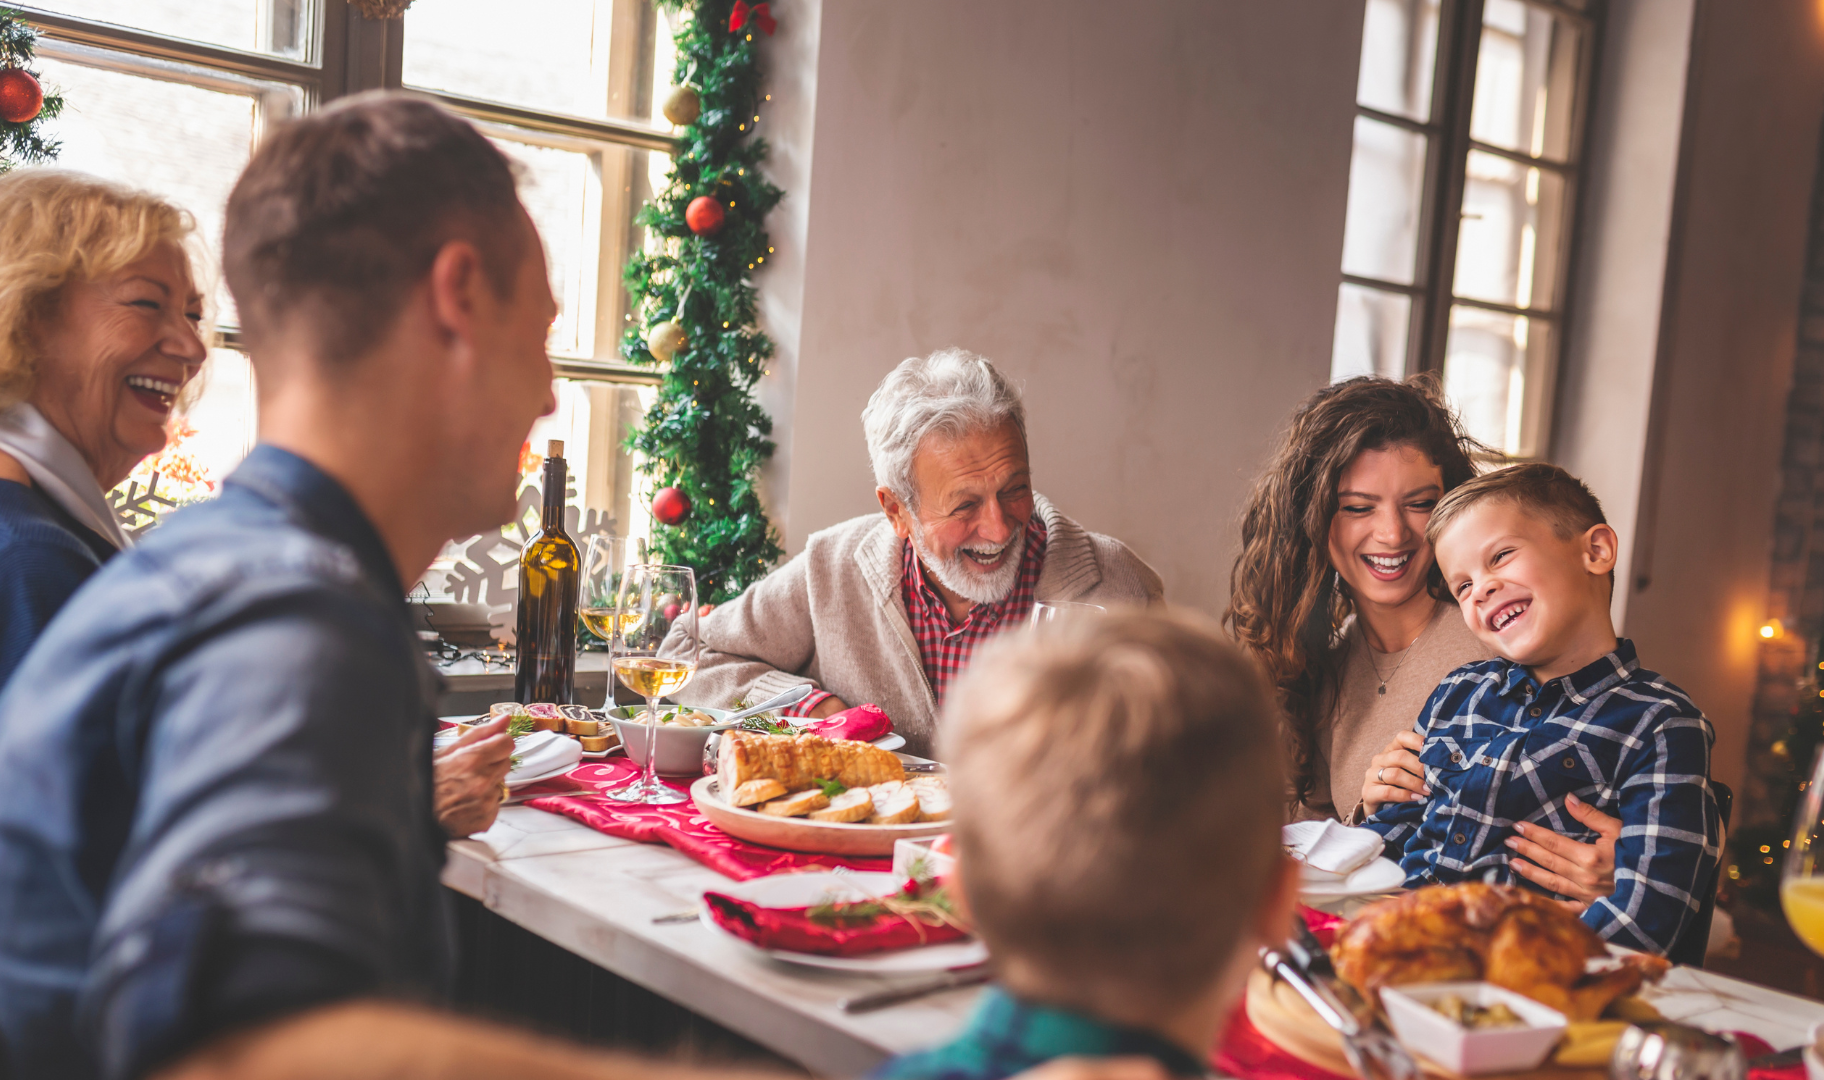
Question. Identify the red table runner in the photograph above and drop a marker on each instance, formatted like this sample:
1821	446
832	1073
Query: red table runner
678	824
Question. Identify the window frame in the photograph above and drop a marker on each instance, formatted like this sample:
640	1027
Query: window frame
1438	229
346	53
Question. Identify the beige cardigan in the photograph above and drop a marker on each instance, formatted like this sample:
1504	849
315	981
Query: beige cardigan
832	616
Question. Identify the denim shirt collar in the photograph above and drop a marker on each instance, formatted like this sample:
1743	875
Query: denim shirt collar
318	502
1580	685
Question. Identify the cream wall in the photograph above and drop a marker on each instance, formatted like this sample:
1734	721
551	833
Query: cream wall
1136	209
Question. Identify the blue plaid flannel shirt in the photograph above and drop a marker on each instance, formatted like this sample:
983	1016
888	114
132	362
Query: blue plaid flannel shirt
1500	748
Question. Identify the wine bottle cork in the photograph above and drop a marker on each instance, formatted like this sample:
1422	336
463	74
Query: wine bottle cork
554	448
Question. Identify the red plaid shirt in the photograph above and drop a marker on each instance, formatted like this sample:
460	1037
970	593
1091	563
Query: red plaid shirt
944	645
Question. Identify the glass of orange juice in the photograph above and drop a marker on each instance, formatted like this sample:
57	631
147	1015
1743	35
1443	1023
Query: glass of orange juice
1802	879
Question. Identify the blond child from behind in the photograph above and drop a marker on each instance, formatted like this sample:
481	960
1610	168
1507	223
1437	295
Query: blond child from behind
1564	713
1118	797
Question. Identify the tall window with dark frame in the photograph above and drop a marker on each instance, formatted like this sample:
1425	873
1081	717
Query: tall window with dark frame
172	96
1462	190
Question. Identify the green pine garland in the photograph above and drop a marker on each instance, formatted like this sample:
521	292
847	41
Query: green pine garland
21	144
706	435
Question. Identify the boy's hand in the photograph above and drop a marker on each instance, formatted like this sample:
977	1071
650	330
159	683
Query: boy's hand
1584	872
1395	774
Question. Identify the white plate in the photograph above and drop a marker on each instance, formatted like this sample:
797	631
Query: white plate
816	887
1381	875
890	741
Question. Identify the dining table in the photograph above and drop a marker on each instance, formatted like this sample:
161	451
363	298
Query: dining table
624	905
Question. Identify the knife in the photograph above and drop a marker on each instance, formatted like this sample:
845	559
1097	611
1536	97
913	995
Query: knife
949	980
1372	1052
515	800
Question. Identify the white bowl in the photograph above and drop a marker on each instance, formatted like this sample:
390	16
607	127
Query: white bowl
1427	1032
680	748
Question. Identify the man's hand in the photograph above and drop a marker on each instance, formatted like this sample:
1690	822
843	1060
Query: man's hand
1395	774
826	708
1584	872
468	775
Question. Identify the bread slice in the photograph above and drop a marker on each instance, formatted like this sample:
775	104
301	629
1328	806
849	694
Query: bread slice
852	805
796	804
582	727
595	744
933	797
756	791
898	806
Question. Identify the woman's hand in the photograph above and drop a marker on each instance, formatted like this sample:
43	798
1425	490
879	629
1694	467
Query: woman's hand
468	774
1395	774
1584	872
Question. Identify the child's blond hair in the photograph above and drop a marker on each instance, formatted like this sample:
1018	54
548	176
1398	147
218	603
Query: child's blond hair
1119	793
1537	487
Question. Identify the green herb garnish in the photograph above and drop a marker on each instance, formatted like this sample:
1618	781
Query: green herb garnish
832	788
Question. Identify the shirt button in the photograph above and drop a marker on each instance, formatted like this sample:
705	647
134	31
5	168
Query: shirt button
1534	710
1454	758
1459	838
1570	763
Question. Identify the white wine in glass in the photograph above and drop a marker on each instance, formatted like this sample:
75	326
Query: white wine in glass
1802	878
655	653
598	591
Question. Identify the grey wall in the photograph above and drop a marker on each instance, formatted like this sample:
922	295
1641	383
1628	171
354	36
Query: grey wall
1136	209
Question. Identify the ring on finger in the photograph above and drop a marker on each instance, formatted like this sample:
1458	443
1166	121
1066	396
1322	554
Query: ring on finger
1377	775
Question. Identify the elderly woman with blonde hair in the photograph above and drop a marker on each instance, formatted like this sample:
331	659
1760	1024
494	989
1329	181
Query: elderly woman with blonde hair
100	332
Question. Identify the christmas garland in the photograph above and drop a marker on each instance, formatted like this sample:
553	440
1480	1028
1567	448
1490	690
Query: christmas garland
693	307
23	103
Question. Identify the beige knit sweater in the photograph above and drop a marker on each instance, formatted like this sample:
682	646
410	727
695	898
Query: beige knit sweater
832	616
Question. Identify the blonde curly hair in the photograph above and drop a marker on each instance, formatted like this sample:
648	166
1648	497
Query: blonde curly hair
58	227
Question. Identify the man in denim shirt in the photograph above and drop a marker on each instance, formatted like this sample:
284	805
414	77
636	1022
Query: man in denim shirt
215	765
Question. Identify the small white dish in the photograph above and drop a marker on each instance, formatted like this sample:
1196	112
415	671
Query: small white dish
1431	1034
893	740
811	888
1814	1064
1381	875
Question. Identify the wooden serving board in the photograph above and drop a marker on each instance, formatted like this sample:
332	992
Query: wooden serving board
1282	1016
803	834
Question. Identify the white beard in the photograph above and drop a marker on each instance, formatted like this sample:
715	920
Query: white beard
964	578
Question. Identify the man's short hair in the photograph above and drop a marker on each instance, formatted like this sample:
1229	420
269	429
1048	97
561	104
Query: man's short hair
951	393
341	213
1119	795
1538	488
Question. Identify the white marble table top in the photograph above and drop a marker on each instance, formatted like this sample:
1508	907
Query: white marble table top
597	896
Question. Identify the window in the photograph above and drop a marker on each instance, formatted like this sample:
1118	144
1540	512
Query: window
172	96
1462	188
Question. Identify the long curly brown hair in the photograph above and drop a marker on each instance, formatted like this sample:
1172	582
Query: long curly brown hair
1285	601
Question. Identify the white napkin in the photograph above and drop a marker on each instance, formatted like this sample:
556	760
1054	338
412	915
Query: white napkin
1329	848
543	752
58	470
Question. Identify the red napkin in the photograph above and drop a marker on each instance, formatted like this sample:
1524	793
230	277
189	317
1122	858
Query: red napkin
1323	924
863	723
794	930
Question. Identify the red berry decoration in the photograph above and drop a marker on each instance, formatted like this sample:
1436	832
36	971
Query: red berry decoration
670	506
20	96
705	215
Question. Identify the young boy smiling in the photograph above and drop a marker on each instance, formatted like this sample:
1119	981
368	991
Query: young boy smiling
1565	710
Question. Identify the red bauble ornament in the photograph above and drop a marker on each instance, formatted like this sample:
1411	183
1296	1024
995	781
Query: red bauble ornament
705	215
670	506
21	97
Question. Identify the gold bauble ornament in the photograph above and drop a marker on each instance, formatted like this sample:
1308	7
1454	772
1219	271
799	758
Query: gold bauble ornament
682	106
664	340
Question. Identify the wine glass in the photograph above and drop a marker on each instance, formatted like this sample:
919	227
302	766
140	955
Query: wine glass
597	590
1050	611
1802	878
655	653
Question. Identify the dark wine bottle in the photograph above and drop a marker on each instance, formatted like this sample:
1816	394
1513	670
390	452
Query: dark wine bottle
548	580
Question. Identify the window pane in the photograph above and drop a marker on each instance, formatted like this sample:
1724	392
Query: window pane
281	27
583	203
1386	186
1494	374
1399	53
590	58
1526	80
1371	329
472	584
118	125
1513	217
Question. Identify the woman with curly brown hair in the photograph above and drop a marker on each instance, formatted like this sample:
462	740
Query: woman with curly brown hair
1337	597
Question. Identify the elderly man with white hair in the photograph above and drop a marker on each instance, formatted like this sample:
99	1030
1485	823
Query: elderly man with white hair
888	608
